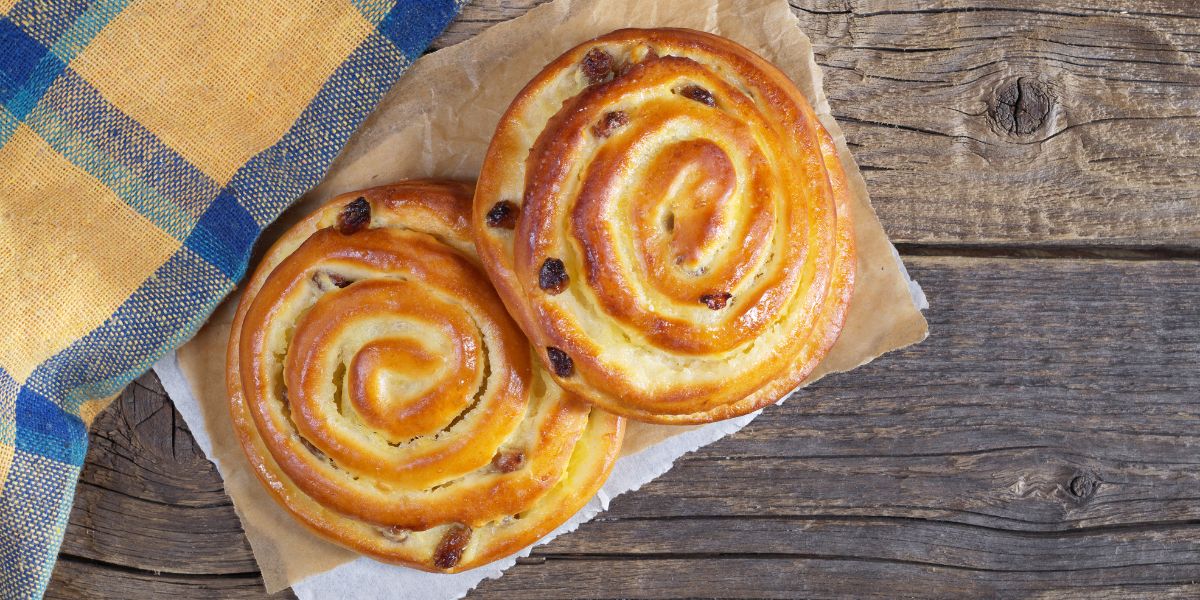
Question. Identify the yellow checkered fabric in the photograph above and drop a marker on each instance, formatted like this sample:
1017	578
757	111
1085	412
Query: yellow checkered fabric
144	145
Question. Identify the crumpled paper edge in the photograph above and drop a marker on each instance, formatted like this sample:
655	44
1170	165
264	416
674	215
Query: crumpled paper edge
630	474
378	580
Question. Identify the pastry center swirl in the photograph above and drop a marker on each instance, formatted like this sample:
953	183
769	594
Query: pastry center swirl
401	383
684	201
671	221
407	368
387	399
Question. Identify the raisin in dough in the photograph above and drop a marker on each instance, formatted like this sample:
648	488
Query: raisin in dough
668	221
385	398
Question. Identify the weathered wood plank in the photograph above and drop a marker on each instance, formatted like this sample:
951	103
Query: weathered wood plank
882	539
812	577
75	579
1043	440
1036	373
1008	121
143	464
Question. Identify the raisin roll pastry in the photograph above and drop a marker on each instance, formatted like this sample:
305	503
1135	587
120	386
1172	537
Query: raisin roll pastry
385	398
669	222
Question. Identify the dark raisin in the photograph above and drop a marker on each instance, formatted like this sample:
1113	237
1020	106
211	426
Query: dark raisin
562	364
354	216
597	65
508	461
553	276
450	550
610	122
503	215
716	301
699	94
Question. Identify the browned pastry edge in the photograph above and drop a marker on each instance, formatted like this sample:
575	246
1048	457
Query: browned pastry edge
572	359
443	547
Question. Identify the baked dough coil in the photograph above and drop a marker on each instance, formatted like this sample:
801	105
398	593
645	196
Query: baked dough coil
386	399
669	222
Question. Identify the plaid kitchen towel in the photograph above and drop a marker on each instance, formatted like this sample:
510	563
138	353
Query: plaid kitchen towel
144	144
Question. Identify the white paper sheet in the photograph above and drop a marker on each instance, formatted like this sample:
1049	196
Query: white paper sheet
376	581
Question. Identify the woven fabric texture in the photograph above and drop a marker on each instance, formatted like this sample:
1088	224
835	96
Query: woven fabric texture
144	145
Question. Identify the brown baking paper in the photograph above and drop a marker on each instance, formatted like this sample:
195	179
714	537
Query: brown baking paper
437	122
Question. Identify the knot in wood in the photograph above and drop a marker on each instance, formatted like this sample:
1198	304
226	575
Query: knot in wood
1083	486
1021	107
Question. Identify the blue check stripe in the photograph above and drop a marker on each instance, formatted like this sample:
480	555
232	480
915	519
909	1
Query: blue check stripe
45	429
37	41
268	183
374	11
8	397
148	175
22	72
98	14
410	24
8	124
164	312
42	488
47	21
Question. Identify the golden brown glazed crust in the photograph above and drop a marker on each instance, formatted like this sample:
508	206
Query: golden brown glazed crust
386	399
677	237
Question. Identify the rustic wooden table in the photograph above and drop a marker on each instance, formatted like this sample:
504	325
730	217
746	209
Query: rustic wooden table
1038	165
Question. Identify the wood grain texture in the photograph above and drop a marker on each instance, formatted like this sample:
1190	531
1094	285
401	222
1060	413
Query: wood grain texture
1042	441
1015	122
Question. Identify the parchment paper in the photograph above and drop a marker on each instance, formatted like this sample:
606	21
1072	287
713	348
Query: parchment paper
437	121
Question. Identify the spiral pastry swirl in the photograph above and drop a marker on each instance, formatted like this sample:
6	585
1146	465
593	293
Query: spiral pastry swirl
386	399
670	224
